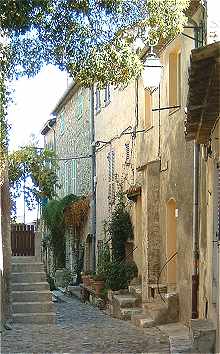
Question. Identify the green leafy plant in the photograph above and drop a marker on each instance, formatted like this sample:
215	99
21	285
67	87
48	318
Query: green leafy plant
120	274
53	216
35	165
67	278
120	228
51	282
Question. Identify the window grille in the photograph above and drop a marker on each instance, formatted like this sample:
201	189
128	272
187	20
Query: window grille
66	178
107	95
127	154
98	100
62	123
74	176
111	177
79	107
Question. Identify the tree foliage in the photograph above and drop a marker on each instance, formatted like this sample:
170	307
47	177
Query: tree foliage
53	216
39	167
90	38
120	228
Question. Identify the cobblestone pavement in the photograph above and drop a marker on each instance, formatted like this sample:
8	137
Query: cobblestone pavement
81	328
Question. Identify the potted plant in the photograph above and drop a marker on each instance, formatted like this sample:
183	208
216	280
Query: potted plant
99	283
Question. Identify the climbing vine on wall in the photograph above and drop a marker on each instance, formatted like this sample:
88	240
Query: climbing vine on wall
53	216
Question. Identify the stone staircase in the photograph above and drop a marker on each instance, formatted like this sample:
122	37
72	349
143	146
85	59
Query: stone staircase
157	312
31	296
127	305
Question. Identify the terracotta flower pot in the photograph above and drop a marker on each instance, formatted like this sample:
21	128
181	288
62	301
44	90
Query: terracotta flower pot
99	285
92	283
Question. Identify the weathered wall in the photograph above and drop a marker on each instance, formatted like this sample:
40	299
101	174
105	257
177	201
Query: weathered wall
113	119
71	137
209	192
5	249
165	141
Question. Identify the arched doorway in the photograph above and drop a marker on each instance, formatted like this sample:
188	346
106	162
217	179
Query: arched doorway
171	241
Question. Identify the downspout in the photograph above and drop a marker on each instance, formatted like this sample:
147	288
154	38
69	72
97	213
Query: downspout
195	235
195	240
93	153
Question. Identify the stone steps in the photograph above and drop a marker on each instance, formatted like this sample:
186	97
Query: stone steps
127	313
30	286
31	296
157	312
32	307
126	300
140	320
28	277
35	318
27	267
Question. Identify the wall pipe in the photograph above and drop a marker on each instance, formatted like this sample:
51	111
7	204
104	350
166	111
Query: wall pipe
93	158
195	236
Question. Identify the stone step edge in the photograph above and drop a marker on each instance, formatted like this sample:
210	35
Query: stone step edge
30	291
31	302
42	272
33	314
29	283
25	263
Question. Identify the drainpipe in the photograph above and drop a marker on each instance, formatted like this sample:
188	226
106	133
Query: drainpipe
93	204
195	247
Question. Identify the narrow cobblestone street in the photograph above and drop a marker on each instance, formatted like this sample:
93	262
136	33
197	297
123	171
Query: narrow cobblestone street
81	328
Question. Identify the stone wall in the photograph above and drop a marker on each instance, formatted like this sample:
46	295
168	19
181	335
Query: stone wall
165	141
5	251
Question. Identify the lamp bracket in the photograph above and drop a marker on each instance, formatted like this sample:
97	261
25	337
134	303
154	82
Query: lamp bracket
163	108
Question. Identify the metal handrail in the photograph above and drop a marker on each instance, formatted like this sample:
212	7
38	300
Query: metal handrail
158	279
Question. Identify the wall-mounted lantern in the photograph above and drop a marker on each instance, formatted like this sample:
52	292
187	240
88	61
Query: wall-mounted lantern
152	71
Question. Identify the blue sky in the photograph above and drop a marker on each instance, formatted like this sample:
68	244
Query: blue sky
34	100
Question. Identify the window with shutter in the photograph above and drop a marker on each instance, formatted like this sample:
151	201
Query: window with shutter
107	95
74	177
79	107
175	78
62	122
98	100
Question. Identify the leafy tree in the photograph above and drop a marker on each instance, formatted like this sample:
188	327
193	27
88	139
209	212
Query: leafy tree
90	38
37	165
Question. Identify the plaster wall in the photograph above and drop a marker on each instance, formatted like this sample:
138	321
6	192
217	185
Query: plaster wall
111	122
165	142
208	210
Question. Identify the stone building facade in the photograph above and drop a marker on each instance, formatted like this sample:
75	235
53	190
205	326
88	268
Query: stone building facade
160	171
202	125
69	134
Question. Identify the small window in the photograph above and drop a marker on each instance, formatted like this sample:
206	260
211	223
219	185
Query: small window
66	178
79	107
107	95
74	176
147	109
62	123
175	79
98	100
127	154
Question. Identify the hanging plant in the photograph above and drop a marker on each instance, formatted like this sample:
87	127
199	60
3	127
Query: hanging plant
53	216
76	212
